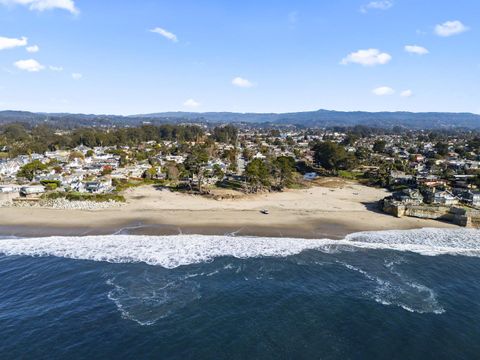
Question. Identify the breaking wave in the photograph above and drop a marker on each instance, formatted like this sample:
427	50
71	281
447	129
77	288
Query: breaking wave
427	241
173	251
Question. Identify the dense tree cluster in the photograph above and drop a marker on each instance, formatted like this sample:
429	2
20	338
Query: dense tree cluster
379	146
195	165
275	174
225	134
43	138
333	156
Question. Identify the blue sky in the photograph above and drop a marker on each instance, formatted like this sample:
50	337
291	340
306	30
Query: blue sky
142	56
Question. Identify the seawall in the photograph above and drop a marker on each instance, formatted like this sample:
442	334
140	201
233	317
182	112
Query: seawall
461	216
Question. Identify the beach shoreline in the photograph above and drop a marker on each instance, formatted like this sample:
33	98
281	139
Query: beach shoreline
328	210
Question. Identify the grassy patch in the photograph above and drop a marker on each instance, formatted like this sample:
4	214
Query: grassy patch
75	196
297	185
122	185
230	185
350	175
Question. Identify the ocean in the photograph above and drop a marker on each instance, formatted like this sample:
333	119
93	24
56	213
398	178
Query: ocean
375	295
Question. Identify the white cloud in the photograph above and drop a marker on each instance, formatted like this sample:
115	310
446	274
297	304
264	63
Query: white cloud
449	28
42	5
10	43
166	34
406	93
29	65
383	90
368	57
377	5
55	68
241	82
416	49
33	49
76	76
191	103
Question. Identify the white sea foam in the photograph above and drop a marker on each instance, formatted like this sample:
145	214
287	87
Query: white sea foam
428	241
145	302
178	250
166	251
398	290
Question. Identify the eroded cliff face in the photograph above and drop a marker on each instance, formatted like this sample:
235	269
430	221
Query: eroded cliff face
457	215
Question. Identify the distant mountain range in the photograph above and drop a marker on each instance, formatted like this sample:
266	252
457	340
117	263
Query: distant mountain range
320	118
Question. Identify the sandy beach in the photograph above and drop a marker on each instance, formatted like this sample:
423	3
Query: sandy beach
331	209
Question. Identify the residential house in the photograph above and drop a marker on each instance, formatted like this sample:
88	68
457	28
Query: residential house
473	198
409	196
259	155
400	178
6	189
31	190
444	198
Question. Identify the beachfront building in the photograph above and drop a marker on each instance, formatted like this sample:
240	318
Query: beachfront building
445	197
408	196
7	189
32	190
473	198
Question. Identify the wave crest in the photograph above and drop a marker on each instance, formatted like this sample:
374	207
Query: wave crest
173	251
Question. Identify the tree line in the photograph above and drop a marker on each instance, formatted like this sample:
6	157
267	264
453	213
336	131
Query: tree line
21	140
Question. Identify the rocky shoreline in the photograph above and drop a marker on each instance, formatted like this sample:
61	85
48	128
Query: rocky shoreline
63	204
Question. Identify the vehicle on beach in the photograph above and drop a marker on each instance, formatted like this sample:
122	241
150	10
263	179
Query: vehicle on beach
264	211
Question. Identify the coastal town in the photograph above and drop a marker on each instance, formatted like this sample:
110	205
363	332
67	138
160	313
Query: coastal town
239	180
430	174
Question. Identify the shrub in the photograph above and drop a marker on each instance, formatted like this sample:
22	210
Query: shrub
76	196
350	175
50	184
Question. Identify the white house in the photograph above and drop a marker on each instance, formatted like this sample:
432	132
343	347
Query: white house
31	190
259	155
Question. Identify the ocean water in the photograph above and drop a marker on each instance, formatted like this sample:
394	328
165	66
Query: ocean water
376	295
